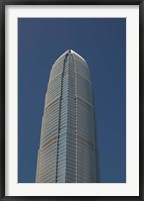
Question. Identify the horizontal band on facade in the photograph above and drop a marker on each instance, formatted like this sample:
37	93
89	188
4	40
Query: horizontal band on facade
82	100
49	143
52	102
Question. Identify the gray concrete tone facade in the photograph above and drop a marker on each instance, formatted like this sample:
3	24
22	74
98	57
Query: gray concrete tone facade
67	151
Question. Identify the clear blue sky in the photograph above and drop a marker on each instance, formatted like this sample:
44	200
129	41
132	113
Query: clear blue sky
102	42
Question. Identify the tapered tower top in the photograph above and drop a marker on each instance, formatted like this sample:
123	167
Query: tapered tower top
73	52
70	51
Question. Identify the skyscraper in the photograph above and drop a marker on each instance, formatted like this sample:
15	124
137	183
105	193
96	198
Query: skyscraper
67	152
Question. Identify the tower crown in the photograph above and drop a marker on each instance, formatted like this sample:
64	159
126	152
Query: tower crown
75	55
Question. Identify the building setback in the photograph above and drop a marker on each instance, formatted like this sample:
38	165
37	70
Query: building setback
67	151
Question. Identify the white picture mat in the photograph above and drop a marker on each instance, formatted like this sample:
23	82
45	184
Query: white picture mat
131	187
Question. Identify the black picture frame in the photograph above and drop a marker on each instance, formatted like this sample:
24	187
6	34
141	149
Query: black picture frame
3	3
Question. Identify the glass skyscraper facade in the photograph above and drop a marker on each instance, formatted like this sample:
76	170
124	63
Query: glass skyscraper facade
67	151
